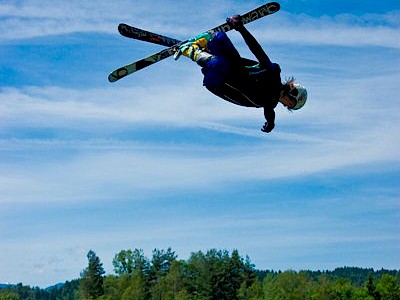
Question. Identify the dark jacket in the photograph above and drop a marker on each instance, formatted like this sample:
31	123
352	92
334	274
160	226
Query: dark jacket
253	83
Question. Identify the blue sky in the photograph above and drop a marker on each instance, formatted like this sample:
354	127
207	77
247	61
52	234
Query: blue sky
155	161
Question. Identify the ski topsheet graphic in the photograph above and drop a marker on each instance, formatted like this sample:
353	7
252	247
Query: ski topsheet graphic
147	36
248	17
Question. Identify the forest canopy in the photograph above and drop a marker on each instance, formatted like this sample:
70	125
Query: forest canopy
212	275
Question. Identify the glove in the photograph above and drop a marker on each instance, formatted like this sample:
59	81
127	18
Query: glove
235	21
183	49
267	128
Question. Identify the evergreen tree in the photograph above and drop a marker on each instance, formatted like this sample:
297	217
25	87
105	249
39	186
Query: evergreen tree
217	275
371	288
161	262
91	283
214	275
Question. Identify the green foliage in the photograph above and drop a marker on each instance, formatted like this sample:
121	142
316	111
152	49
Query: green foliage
287	285
217	275
161	262
22	292
388	288
213	275
7	295
91	283
126	262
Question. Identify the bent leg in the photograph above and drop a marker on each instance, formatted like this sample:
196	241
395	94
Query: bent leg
225	63
221	45
216	72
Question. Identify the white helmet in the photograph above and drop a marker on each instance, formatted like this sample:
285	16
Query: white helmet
298	93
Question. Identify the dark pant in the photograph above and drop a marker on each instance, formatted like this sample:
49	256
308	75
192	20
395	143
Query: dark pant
226	61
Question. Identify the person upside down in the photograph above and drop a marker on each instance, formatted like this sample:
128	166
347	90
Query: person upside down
239	80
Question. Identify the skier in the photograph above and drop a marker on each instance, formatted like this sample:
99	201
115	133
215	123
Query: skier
239	80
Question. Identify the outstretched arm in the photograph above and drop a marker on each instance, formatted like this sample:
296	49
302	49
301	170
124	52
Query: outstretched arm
269	115
251	42
255	48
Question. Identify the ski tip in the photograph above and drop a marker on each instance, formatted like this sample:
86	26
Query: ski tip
273	7
112	78
118	74
277	5
121	27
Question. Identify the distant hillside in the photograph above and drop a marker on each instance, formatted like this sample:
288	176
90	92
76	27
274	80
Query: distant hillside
357	276
55	287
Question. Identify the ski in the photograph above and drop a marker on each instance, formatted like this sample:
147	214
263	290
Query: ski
147	36
248	17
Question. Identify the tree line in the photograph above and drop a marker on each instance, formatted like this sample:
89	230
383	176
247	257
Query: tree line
212	275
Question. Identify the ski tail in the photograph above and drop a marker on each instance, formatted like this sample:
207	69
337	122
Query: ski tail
141	64
248	17
146	36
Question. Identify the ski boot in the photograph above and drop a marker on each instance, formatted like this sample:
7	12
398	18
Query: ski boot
196	49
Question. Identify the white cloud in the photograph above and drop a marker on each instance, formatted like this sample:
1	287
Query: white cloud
36	19
351	128
111	169
70	108
87	146
341	30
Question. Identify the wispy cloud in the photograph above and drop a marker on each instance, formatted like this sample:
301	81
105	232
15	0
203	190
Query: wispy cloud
343	125
30	19
380	30
308	231
79	159
108	169
36	19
